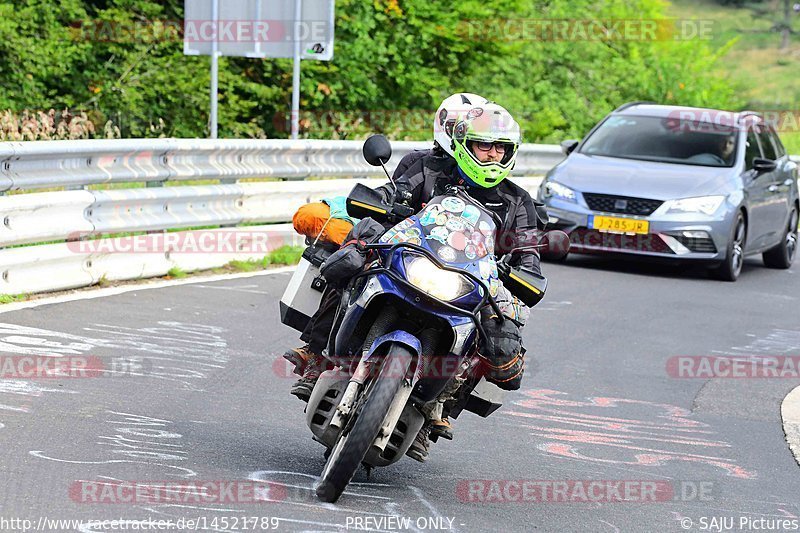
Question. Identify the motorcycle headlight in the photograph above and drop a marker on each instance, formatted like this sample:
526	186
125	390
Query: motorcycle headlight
553	189
442	284
707	205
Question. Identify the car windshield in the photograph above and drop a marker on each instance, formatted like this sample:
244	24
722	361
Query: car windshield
665	140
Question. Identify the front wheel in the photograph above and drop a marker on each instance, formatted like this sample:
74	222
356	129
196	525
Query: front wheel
783	254
356	438
731	267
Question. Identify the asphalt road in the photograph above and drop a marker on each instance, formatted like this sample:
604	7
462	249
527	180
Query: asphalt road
190	392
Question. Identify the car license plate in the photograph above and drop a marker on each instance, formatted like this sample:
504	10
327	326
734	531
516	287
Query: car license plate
619	225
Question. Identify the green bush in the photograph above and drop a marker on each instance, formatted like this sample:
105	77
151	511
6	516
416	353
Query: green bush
394	61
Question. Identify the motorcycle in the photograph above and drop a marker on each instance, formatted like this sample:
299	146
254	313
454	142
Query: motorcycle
407	331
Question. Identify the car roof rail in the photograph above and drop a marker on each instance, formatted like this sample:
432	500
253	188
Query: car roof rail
631	104
744	114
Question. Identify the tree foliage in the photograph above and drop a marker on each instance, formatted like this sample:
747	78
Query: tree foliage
394	62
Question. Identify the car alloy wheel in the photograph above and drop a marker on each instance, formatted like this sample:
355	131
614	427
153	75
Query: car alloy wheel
791	236
731	266
737	251
782	255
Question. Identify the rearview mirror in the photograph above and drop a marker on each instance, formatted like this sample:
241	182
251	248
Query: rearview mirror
567	147
377	150
556	245
764	165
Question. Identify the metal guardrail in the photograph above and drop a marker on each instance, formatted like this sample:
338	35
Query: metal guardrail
72	216
48	164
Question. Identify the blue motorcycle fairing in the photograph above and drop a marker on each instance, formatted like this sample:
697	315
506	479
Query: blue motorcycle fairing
380	285
403	337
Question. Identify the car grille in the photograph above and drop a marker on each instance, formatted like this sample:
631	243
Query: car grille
621	204
615	242
702	246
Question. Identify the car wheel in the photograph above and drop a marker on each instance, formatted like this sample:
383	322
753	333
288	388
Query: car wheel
731	267
782	255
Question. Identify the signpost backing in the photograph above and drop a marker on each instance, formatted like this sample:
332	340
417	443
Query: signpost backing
300	29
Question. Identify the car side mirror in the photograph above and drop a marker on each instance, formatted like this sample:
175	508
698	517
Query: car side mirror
567	147
762	165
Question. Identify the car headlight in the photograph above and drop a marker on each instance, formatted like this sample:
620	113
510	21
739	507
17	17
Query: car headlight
442	284
702	204
553	189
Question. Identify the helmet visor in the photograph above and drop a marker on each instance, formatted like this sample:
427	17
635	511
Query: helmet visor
506	150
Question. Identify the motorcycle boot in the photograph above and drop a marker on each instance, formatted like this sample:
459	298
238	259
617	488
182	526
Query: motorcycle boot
299	358
441	428
315	365
419	448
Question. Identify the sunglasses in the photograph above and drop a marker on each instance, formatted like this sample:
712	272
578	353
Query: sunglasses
485	146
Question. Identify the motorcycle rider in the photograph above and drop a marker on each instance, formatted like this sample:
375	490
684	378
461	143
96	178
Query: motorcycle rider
484	142
437	161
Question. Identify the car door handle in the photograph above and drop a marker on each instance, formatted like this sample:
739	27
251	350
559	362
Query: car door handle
772	188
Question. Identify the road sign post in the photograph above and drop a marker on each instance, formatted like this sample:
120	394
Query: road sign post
214	70
297	29
298	17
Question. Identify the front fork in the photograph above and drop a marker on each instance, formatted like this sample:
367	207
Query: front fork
350	394
350	397
363	369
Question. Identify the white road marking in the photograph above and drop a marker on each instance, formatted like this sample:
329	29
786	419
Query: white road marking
145	285
40	454
790	411
418	493
233	289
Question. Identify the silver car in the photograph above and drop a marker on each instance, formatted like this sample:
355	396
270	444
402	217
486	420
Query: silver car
678	183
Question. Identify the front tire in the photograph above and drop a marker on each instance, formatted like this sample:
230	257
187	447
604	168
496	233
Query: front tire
353	444
731	267
783	254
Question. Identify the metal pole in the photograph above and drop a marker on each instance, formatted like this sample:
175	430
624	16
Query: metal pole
214	67
298	15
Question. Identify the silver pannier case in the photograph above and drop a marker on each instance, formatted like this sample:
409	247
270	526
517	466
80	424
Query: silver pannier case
304	292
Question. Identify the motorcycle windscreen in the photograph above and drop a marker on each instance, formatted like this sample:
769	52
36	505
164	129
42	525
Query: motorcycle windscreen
459	233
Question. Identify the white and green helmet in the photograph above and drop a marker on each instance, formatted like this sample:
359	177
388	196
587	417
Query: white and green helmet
451	108
488	123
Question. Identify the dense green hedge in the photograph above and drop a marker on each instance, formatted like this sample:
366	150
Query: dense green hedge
394	61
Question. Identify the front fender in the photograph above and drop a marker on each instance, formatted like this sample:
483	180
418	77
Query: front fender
403	337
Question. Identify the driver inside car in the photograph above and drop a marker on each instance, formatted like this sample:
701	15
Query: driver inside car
485	140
